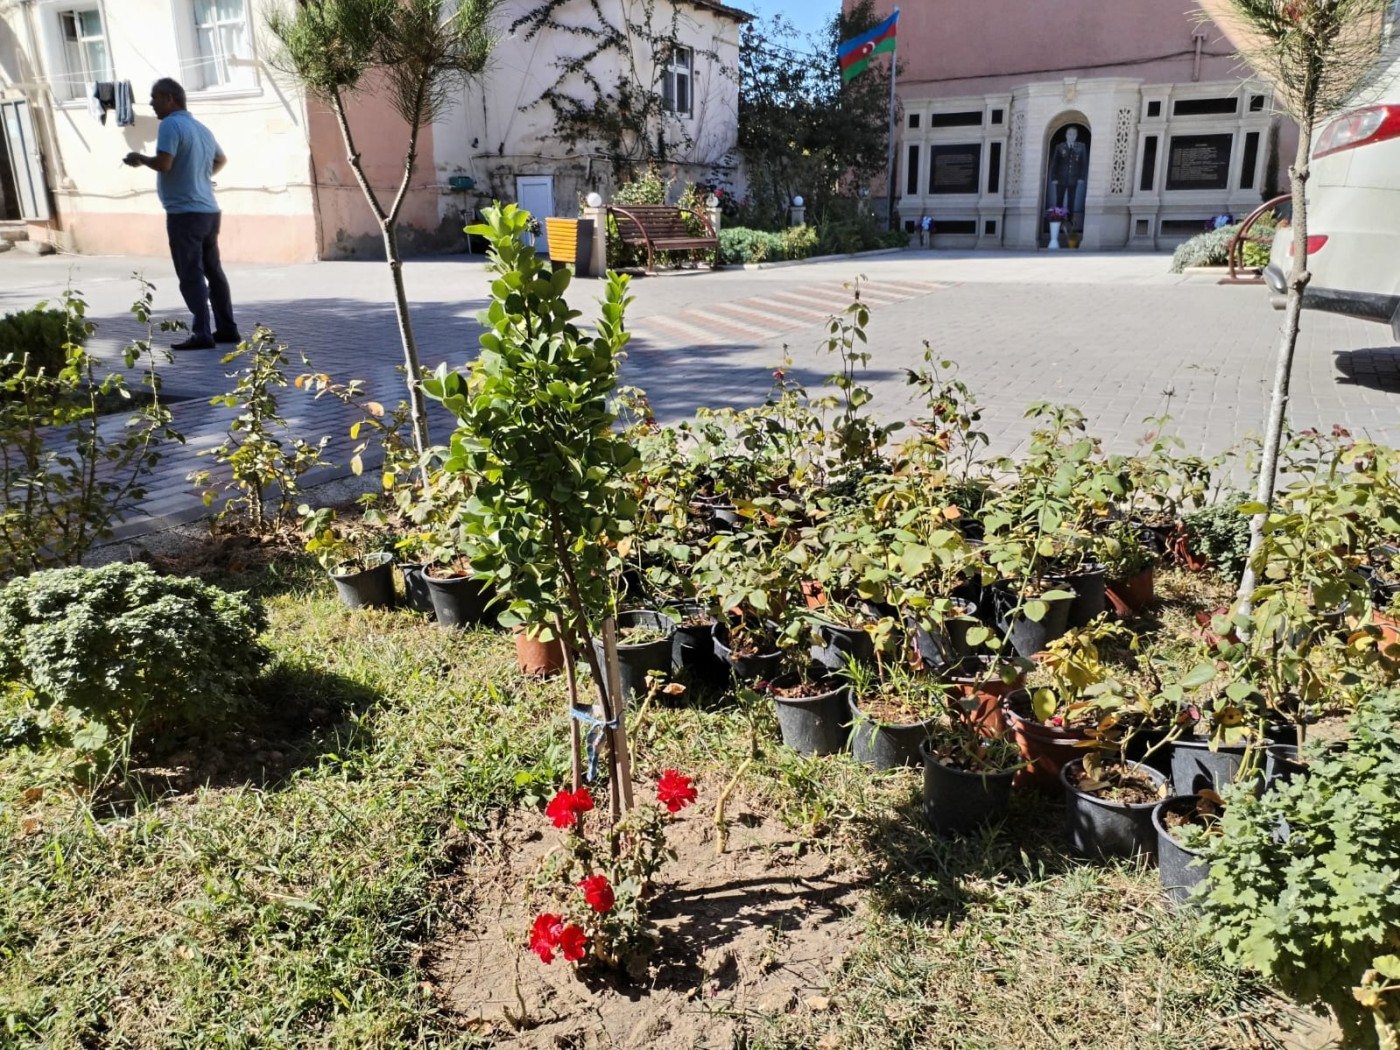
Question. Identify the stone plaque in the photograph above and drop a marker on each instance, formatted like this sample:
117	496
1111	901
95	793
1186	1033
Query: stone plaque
1199	162
955	169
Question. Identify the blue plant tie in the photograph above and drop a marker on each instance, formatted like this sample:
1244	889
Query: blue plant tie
593	739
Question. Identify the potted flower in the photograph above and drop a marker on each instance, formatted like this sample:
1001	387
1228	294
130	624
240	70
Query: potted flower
969	765
893	710
363	575
1055	217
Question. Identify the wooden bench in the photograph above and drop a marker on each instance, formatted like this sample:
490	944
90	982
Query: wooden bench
662	227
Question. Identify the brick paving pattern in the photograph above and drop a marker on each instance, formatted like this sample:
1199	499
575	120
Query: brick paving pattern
1112	333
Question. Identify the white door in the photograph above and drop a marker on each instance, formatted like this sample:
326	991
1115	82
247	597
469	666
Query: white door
535	193
25	162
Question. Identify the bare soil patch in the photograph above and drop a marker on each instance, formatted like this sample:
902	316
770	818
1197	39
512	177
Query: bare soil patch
756	931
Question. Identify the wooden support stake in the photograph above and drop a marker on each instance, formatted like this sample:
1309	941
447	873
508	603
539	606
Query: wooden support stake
575	731
617	738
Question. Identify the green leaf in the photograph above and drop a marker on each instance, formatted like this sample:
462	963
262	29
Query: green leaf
1035	610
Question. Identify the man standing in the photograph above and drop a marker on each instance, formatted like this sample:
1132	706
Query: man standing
186	160
1069	165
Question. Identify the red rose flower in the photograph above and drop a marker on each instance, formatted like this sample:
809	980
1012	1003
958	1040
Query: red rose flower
545	935
572	943
674	791
598	892
567	806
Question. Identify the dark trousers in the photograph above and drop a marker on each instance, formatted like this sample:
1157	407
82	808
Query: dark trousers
194	248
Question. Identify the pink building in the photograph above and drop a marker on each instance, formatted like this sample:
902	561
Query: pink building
1134	116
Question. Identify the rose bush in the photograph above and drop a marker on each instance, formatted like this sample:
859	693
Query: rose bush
599	883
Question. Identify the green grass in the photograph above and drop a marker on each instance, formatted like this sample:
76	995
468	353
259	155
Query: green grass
286	903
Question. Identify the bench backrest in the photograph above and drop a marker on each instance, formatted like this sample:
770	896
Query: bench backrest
658	222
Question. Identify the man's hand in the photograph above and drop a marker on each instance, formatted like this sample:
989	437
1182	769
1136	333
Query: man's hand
133	160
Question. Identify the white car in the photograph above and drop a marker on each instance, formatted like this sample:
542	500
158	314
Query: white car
1353	216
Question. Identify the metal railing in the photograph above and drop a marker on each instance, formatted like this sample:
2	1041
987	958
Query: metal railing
1234	255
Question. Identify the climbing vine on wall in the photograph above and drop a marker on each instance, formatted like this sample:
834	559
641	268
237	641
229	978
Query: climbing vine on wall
624	118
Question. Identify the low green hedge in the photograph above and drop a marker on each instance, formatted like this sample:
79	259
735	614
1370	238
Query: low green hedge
738	244
39	333
1211	248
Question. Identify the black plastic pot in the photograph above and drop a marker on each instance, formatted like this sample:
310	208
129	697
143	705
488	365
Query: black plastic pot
635	662
956	800
1028	636
369	588
814	725
415	588
1195	766
839	643
1097	827
1281	764
459	601
1090	595
880	745
745	668
693	645
1181	869
1383	592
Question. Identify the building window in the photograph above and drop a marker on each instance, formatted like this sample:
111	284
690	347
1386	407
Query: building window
1154	109
675	81
84	50
913	120
911	171
222	42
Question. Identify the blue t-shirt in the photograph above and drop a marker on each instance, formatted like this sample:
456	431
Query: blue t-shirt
186	187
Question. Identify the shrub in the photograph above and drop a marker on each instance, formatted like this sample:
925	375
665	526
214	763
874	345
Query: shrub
1210	248
40	333
1220	533
127	649
799	242
1305	880
740	245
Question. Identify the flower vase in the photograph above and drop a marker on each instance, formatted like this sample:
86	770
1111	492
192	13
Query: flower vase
1054	244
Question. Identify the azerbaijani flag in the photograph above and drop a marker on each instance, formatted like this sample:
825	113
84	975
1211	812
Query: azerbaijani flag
854	55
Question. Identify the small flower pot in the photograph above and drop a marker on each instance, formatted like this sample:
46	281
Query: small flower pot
1195	766
459	601
536	658
1028	636
1129	597
747	668
1090	595
840	643
957	800
814	725
882	745
1180	869
1099	827
370	587
1046	748
693	645
636	662
415	589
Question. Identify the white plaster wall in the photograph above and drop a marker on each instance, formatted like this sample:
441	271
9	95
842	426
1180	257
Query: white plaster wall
264	191
495	133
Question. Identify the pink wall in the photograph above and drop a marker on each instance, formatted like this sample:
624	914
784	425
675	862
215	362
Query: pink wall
273	239
348	226
953	47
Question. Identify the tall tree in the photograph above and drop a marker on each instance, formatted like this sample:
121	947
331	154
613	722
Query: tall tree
1318	54
420	53
801	131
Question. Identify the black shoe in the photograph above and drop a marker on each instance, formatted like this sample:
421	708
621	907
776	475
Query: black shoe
227	337
194	342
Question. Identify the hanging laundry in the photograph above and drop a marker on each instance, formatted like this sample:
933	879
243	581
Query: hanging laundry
125	104
96	109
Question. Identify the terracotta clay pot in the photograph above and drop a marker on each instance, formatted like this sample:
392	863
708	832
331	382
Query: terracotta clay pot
1133	594
1047	748
536	658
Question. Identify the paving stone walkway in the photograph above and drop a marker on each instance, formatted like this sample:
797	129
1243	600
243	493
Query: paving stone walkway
1112	333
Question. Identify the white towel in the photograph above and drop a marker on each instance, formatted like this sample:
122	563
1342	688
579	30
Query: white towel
126	108
94	101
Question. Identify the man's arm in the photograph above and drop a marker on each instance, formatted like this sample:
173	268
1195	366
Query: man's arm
219	161
160	162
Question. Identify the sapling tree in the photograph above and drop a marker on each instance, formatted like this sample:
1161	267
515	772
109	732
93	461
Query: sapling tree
551	501
418	54
1317	53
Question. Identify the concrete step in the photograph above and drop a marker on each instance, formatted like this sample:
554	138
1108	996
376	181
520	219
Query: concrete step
13	232
35	247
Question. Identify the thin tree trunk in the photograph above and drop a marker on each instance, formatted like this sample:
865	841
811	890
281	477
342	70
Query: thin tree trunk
388	221
1298	279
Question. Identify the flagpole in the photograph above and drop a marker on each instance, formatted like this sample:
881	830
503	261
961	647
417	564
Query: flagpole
894	72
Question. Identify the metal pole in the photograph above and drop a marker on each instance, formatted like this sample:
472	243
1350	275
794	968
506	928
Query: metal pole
894	74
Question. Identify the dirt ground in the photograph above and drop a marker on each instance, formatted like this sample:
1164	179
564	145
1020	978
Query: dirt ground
755	931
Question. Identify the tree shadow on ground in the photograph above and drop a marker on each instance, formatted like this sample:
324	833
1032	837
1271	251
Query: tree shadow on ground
1376	367
300	714
937	878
